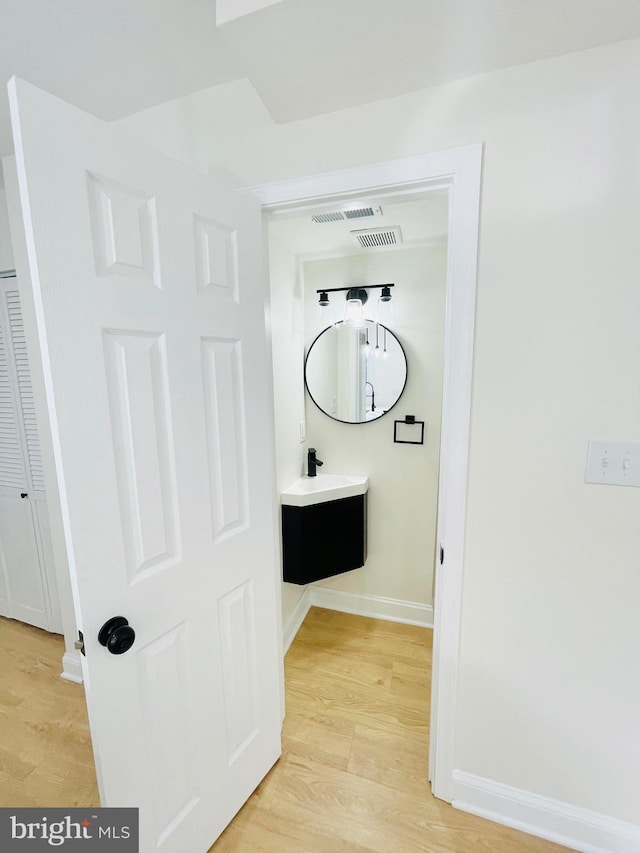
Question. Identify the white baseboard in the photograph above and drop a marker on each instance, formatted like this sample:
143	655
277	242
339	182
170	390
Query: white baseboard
577	828
391	609
71	667
295	620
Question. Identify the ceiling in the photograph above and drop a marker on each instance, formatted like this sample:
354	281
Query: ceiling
304	57
422	220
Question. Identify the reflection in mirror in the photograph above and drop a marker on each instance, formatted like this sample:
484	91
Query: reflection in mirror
355	374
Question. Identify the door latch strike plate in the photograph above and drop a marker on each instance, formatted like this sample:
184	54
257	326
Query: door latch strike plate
79	643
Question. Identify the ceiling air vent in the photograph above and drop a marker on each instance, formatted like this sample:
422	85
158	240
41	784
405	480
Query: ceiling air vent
373	238
334	216
350	213
361	212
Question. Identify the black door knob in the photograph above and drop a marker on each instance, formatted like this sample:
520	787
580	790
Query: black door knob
24	495
117	635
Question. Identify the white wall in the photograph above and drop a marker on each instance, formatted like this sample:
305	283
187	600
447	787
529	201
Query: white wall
6	250
549	668
287	325
321	373
403	479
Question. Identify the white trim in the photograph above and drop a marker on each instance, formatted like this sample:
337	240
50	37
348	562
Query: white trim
574	827
295	620
375	179
72	667
459	171
376	606
464	220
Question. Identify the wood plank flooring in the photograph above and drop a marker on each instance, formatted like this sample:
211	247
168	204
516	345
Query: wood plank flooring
352	776
45	748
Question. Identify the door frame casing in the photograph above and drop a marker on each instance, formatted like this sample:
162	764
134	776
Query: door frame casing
459	171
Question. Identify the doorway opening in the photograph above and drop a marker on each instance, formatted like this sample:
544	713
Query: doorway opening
456	173
359	391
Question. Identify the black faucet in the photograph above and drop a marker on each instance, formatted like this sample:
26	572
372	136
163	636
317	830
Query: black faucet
312	462
373	396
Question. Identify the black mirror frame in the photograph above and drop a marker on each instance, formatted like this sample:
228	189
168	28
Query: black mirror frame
356	423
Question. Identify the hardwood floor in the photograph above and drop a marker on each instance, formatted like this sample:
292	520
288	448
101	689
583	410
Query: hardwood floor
352	776
45	748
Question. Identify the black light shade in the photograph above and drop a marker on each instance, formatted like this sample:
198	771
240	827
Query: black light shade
385	294
324	299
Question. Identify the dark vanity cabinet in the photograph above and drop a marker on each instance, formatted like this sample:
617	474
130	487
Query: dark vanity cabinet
324	539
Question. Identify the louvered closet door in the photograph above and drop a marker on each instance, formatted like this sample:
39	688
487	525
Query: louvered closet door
23	587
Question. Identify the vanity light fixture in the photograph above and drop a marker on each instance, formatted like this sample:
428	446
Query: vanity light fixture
354	310
354	313
384	308
385	354
324	310
356	300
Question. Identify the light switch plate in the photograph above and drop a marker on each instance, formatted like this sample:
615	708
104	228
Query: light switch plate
613	463
303	431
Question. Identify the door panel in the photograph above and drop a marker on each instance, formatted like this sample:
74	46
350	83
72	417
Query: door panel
148	286
216	250
237	640
226	435
137	389
163	664
25	596
125	233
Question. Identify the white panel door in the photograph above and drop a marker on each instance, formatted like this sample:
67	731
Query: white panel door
148	286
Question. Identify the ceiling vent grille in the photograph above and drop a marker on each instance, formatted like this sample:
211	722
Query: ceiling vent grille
361	212
351	213
374	238
334	216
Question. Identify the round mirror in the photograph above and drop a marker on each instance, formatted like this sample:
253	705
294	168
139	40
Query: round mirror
355	374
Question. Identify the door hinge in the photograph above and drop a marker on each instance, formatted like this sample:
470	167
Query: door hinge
79	643
441	555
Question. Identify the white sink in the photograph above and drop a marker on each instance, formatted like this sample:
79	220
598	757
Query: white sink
324	487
